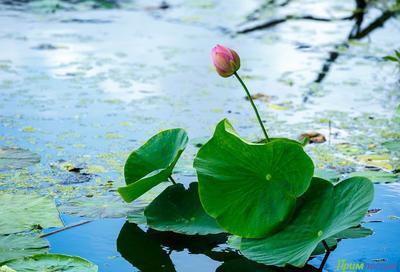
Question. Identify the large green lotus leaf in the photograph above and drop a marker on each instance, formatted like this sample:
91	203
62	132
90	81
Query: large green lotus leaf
51	262
21	212
324	210
152	163
251	189
143	252
14	246
179	210
350	233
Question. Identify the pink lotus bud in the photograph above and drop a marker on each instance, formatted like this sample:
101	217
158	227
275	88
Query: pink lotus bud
225	60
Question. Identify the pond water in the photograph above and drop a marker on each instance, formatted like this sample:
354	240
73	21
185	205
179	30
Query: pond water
83	84
155	251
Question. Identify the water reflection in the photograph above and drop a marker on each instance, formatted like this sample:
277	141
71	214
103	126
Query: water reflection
143	252
150	251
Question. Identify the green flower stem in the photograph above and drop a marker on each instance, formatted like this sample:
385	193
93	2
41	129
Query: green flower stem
253	105
172	180
328	252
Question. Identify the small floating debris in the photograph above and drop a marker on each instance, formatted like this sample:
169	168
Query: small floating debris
373	211
86	21
260	96
313	137
47	46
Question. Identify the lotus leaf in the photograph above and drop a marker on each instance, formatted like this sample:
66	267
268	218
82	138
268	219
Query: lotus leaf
179	210
251	189
17	245
152	163
51	262
21	212
350	233
324	210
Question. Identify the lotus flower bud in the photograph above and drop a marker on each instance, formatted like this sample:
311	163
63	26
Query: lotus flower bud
226	60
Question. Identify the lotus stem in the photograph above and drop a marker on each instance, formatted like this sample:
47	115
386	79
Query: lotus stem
65	228
328	252
326	246
253	105
172	180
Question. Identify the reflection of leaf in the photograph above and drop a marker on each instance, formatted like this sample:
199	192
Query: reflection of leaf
152	163
20	212
16	245
141	251
323	211
179	210
248	187
16	158
51	262
195	244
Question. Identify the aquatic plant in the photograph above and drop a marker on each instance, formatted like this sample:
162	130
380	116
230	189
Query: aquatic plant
21	249
263	194
226	60
395	57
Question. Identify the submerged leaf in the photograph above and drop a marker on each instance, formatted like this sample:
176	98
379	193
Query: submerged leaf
377	176
51	262
251	189
152	163
327	174
16	158
375	160
21	212
324	210
179	210
393	145
107	206
17	245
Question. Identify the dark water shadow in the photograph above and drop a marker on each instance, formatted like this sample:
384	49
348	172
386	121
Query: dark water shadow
143	252
149	251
